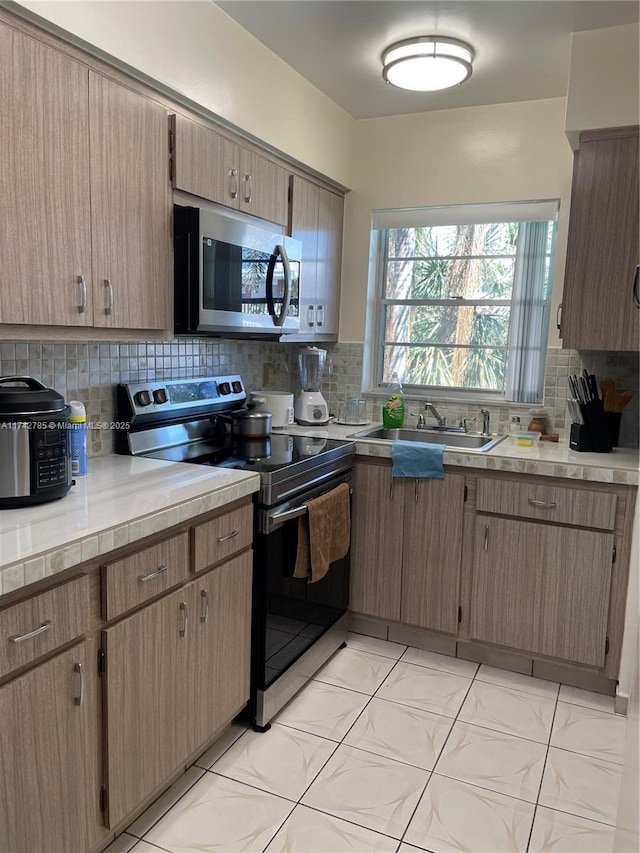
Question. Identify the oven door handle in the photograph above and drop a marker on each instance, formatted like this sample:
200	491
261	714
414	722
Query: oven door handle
286	515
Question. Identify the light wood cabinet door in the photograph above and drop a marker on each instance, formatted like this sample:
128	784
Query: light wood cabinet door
541	588
376	541
305	202
330	221
222	631
598	308
146	700
316	220
431	554
45	237
130	207
264	188
49	797
206	164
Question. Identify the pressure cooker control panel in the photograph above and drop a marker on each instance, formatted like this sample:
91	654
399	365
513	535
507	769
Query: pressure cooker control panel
50	449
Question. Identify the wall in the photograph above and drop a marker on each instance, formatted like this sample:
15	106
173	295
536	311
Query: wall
604	80
197	51
502	152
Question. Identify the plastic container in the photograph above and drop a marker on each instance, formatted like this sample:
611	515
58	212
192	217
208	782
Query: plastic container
393	409
78	436
525	439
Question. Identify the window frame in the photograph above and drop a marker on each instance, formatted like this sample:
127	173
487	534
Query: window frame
378	274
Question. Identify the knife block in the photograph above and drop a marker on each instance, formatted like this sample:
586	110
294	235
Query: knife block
593	435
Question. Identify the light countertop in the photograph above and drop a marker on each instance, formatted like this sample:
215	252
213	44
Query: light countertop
122	499
545	458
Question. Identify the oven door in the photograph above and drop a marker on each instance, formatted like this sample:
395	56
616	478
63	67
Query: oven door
290	614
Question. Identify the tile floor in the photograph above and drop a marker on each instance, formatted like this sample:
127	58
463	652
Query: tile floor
401	750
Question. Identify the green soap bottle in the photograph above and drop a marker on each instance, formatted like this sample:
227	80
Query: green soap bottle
393	409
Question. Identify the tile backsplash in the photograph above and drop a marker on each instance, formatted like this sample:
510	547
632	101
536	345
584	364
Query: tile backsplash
89	371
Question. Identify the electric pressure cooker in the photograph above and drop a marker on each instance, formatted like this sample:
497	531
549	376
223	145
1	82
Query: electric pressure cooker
35	463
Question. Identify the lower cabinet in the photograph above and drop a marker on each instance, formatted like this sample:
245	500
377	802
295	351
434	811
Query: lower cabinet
532	565
406	548
541	588
49	757
176	672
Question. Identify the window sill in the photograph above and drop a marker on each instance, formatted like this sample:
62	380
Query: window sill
452	397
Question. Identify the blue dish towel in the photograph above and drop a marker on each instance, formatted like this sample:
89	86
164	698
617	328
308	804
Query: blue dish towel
417	459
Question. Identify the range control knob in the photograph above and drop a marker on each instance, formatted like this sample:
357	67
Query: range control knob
160	395
318	414
143	398
237	387
224	388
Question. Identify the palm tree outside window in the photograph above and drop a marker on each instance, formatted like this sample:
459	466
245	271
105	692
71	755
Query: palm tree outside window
464	297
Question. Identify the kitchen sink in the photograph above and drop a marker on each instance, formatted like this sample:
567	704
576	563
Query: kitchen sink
461	440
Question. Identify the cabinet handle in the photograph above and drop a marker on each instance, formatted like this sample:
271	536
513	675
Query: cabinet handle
184	610
248	189
233	183
78	700
82	286
543	504
391	488
310	314
231	535
204	595
151	575
415	490
636	297
19	638
486	537
319	315
108	309
559	317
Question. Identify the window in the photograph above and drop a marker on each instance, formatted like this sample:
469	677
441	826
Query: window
464	297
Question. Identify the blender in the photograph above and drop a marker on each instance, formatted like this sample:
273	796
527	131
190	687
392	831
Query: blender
311	408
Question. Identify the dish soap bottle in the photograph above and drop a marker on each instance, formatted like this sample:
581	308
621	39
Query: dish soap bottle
393	409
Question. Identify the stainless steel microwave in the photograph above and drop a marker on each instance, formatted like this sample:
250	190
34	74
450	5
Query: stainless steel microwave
233	278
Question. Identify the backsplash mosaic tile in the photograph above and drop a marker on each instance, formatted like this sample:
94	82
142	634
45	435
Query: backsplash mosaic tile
89	371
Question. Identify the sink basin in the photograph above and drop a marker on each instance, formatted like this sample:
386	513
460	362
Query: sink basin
461	440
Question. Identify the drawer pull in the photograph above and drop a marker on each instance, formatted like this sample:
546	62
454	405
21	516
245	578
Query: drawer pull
19	638
78	700
204	595
543	504
151	575
231	535
486	537
184	610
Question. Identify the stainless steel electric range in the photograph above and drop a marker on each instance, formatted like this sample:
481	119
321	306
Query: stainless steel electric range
296	626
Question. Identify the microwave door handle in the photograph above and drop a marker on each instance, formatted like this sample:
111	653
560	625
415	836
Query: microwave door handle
279	318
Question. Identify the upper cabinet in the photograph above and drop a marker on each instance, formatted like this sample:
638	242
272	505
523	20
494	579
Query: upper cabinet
601	300
209	165
85	224
45	220
317	220
130	207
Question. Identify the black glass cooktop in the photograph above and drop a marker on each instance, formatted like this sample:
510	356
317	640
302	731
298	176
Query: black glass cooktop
262	455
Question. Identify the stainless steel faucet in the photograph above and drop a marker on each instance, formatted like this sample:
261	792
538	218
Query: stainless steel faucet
429	407
485	421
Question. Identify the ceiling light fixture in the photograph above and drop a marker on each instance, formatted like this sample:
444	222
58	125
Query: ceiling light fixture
427	63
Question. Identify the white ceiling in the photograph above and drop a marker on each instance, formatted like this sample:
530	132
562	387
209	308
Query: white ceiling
522	46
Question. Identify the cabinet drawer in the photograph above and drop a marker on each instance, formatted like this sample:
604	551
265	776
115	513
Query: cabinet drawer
34	627
547	502
223	536
143	575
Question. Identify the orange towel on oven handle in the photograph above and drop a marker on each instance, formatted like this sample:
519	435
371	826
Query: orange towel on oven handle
324	534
